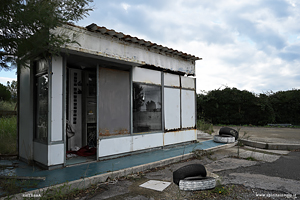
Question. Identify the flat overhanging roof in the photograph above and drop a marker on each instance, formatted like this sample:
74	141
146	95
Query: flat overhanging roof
95	28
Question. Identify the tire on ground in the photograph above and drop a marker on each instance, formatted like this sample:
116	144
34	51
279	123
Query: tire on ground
224	139
205	183
229	131
188	171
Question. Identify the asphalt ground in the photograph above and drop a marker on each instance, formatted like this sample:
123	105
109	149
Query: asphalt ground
244	172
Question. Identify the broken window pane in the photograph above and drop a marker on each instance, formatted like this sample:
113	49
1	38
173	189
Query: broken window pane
42	66
146	108
42	84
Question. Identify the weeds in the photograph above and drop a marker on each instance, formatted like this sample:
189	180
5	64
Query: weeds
221	189
239	141
13	186
214	193
65	192
251	159
199	154
8	135
57	192
204	126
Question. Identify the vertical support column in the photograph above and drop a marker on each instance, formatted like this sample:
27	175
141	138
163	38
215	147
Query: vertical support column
180	88
162	102
25	113
57	101
56	153
64	135
98	118
131	100
195	86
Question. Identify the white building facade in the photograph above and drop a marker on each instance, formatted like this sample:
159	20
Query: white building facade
114	93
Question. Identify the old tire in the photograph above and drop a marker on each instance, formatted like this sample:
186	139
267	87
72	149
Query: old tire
188	171
229	131
205	183
224	139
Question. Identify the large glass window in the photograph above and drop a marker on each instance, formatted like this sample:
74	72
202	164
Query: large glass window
42	83
146	108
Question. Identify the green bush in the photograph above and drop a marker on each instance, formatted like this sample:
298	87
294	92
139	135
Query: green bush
5	94
8	135
232	106
7	105
286	105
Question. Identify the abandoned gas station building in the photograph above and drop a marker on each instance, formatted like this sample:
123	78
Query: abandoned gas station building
113	94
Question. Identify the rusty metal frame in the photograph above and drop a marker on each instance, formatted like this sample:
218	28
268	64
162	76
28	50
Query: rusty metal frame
162	108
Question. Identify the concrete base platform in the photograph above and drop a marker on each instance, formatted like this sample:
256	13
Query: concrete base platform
82	176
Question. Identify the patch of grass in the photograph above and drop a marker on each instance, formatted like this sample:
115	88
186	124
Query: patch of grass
13	186
251	158
65	192
219	191
8	135
204	126
57	192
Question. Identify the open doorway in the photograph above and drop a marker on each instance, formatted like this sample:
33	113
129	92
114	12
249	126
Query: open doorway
81	115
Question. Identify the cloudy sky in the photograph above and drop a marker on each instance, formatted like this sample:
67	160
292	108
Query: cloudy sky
251	45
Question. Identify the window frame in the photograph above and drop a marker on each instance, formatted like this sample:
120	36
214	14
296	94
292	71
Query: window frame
161	108
38	74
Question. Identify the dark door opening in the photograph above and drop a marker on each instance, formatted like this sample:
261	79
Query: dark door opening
81	116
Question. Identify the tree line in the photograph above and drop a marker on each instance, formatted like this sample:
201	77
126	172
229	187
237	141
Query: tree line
8	92
233	106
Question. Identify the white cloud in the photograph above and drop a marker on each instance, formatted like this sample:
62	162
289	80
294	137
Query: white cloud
3	80
252	45
125	6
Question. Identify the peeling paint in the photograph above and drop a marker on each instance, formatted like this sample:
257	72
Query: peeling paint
106	132
173	130
126	50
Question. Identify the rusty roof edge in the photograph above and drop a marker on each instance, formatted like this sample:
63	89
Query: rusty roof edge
95	28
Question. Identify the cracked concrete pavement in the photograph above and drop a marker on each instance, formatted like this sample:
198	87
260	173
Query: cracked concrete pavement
267	170
270	171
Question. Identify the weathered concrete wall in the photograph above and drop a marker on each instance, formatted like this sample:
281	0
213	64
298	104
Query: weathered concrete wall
112	47
126	144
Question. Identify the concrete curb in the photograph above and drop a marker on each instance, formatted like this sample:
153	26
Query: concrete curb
88	181
271	146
